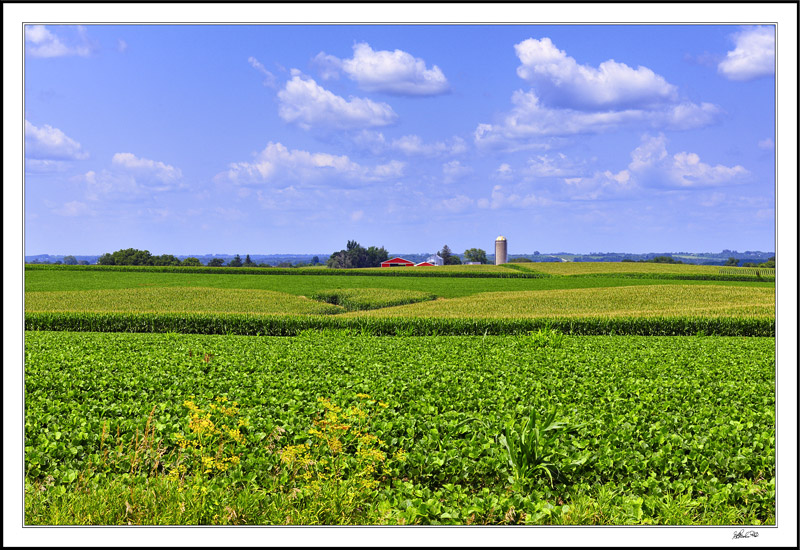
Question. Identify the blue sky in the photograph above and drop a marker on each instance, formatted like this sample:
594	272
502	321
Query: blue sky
296	138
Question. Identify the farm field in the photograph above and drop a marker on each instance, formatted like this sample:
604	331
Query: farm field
40	280
177	299
651	309
330	427
637	301
587	268
403	400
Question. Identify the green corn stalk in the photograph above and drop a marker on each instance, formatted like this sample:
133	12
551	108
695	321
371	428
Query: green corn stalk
529	446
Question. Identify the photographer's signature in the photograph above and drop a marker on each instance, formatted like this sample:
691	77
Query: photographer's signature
742	534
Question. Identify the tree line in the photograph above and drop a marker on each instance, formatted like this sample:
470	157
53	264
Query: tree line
471	255
133	256
353	256
769	263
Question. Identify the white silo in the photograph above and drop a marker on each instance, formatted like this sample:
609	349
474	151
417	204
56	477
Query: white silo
500	250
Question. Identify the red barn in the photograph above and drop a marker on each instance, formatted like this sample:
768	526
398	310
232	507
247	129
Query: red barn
397	262
424	264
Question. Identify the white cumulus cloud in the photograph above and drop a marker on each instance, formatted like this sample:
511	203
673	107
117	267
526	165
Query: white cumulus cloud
73	209
546	166
277	163
414	145
456	204
601	184
48	143
530	118
149	169
269	78
328	66
567	98
410	145
504	171
502	198
454	170
753	57
131	178
653	166
561	81
40	42
307	104
393	72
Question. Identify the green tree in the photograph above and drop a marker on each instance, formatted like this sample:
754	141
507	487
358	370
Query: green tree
476	255
191	261
339	260
732	262
375	256
105	259
215	262
449	258
356	255
127	256
248	262
445	254
70	260
769	263
165	259
235	262
315	260
664	260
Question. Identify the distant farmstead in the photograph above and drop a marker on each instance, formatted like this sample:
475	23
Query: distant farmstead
434	260
397	262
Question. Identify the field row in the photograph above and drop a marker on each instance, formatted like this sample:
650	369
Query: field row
286	325
219	300
644	309
626	301
512	270
636	301
305	285
639	422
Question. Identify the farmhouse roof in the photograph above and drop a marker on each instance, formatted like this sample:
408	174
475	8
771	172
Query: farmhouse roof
396	261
